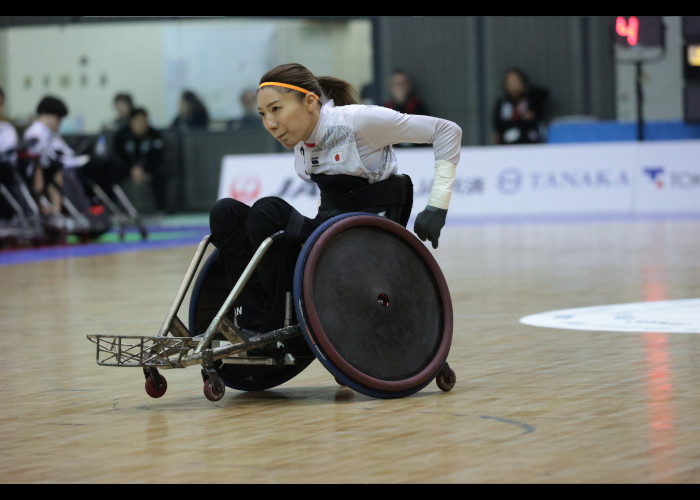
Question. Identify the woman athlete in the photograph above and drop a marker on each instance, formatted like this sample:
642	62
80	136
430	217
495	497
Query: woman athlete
346	149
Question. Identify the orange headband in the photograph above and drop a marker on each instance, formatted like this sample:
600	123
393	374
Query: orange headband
293	87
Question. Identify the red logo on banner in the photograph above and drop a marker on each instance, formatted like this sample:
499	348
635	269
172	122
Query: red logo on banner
245	189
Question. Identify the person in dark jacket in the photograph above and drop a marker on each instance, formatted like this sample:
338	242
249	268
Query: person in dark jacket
404	99
138	149
192	113
518	116
403	96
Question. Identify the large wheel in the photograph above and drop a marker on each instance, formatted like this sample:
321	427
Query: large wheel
373	305
209	292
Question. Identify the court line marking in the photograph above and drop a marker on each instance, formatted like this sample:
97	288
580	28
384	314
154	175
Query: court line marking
663	316
527	428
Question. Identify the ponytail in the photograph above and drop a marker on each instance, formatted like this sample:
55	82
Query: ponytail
342	92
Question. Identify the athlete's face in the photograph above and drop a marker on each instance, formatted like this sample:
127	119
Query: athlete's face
288	119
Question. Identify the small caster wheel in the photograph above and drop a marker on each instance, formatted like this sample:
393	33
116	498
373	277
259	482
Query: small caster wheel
210	391
156	390
337	381
446	379
144	233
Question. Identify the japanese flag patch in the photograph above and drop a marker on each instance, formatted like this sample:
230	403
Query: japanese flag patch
337	157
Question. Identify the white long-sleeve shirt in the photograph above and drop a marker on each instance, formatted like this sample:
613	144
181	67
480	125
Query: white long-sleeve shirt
50	147
8	137
357	140
371	131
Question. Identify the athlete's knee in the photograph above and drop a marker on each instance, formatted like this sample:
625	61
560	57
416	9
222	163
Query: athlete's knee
266	208
265	218
227	220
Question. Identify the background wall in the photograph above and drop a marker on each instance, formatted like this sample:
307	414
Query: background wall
86	64
456	62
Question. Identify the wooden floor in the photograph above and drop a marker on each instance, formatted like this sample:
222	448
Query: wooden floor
531	405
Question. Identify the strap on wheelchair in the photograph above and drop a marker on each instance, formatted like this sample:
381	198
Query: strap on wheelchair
294	225
394	194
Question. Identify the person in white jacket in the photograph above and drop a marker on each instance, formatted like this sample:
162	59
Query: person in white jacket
50	153
8	133
346	149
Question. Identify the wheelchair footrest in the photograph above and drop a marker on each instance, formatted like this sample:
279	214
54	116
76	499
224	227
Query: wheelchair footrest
142	351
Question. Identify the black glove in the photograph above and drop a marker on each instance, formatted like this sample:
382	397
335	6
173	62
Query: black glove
429	223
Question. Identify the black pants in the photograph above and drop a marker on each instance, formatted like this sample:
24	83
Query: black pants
107	172
237	230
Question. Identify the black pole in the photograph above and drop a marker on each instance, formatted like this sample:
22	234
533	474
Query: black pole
640	102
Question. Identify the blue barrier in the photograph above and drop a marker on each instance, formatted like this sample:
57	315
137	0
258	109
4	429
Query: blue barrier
608	131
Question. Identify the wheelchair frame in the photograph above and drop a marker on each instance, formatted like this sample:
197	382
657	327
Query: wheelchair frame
181	350
174	347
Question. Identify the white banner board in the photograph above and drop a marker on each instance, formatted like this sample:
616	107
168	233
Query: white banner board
550	179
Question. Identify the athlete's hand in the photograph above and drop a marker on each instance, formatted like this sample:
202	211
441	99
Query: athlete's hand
429	223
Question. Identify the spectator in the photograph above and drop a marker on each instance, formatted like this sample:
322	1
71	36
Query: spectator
250	119
8	133
518	116
53	159
50	154
138	152
192	113
8	140
123	106
403	96
404	100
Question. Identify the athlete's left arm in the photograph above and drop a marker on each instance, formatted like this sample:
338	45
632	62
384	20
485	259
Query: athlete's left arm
382	126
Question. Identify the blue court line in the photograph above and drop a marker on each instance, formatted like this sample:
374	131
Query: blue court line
25	256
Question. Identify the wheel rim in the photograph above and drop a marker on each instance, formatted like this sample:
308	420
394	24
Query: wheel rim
325	342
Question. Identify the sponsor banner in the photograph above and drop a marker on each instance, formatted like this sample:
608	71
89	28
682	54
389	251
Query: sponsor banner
549	179
248	178
535	179
668	178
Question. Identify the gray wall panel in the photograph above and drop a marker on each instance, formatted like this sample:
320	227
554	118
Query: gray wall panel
458	63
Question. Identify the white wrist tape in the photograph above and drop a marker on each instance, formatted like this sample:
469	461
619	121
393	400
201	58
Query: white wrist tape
441	191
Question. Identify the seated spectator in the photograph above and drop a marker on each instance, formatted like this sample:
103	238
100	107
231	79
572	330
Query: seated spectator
250	119
51	158
50	154
8	140
123	106
138	149
192	113
518	115
8	133
403	97
404	100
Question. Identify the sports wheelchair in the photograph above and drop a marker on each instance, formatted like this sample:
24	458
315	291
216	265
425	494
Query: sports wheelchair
369	302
